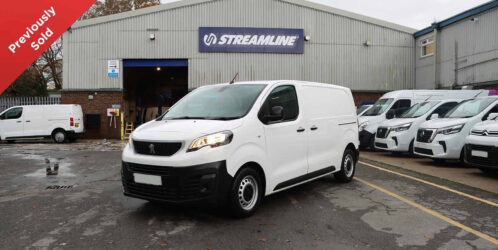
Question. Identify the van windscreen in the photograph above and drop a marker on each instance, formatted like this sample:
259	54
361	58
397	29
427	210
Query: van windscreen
379	107
219	102
418	109
469	108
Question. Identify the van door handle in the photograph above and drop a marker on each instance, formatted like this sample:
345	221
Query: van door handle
300	129
19	121
28	121
314	127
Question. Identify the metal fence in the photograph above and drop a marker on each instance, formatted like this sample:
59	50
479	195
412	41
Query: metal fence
7	102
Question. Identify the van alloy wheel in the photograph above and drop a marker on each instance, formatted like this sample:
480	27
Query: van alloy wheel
248	193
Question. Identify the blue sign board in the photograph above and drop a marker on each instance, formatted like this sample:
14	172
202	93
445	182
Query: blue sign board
251	40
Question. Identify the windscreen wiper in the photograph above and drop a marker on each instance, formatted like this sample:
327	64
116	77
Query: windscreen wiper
188	118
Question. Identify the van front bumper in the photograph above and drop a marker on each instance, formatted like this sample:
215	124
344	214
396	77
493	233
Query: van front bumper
205	185
490	162
447	147
395	141
366	138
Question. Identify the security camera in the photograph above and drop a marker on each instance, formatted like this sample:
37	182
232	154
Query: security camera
152	36
307	38
474	19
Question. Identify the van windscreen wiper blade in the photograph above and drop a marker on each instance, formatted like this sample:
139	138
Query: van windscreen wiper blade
187	118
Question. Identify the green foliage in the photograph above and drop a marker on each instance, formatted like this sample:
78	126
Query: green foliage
29	83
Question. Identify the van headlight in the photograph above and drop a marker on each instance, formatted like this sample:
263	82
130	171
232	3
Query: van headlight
212	140
451	129
362	126
402	127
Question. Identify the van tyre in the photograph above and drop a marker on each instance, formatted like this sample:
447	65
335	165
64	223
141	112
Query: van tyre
59	136
348	167
246	193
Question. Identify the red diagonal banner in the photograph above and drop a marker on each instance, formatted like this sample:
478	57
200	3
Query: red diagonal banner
27	28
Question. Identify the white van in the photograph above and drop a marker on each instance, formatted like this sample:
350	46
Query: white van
59	122
398	134
394	103
240	142
443	139
481	146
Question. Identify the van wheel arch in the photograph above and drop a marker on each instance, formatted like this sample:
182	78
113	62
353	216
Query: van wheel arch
352	147
258	168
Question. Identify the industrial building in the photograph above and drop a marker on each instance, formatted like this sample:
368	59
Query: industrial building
142	61
461	51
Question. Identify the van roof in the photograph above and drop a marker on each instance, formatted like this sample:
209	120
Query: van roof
421	93
47	105
272	82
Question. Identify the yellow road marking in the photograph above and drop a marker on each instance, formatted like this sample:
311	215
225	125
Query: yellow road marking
432	184
431	212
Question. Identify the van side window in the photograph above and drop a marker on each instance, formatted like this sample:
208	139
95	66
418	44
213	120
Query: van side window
14	113
443	109
284	96
401	106
493	110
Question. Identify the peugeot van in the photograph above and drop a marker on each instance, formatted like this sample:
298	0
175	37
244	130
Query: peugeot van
60	122
236	143
444	139
398	135
394	103
481	146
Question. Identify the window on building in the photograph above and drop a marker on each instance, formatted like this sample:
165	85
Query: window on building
427	47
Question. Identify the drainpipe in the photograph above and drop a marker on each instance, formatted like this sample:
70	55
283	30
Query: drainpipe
435	57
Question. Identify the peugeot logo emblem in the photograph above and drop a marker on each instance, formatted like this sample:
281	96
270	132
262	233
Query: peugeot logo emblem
151	149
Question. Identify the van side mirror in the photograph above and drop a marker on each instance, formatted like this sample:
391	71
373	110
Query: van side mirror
277	114
434	117
390	114
492	116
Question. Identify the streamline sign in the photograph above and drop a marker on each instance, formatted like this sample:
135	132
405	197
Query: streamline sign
251	40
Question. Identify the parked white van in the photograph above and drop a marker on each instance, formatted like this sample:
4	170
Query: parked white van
394	103
443	139
59	122
240	142
398	135
481	146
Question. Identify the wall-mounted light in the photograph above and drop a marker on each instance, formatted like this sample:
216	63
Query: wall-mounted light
474	19
158	68
367	43
307	38
152	36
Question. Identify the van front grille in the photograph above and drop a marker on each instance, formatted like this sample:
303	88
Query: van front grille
156	148
382	132
424	135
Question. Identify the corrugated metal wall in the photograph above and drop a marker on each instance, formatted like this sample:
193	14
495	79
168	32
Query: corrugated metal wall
476	53
335	54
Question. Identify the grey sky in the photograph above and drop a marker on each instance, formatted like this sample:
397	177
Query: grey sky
417	14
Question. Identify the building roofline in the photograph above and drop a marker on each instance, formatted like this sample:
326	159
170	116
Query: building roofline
139	12
458	17
185	3
352	15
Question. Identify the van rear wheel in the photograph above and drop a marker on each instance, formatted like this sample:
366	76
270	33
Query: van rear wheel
348	167
59	136
246	193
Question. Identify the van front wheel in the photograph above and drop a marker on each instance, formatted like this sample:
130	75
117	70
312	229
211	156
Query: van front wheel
59	136
246	193
348	167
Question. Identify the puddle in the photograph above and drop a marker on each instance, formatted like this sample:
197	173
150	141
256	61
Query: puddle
64	167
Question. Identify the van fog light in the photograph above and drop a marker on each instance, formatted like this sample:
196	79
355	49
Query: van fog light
212	140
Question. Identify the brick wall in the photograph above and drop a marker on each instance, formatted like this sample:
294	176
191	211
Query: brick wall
361	97
102	100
